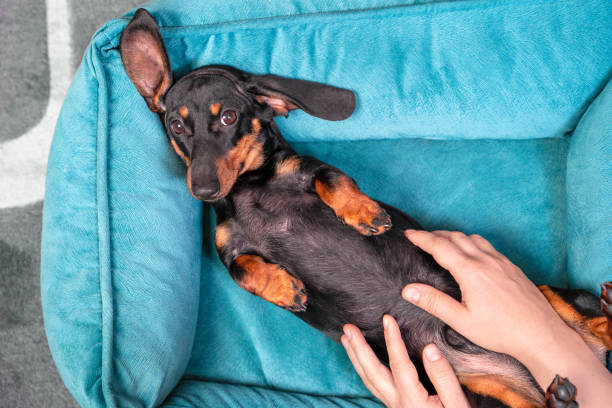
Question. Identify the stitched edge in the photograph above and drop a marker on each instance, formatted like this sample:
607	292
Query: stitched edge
104	250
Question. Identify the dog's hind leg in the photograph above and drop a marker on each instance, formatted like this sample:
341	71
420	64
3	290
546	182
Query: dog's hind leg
583	312
602	326
496	391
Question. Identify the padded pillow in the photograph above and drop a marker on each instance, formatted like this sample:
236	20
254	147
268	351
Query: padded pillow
589	196
121	250
122	237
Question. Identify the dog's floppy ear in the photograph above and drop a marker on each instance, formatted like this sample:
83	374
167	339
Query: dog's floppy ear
145	59
284	94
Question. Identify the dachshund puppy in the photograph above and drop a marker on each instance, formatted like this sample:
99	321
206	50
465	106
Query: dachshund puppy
300	234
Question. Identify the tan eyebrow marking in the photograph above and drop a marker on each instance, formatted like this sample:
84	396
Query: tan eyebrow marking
215	108
183	111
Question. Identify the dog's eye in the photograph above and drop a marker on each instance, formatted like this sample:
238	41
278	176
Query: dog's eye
177	127
228	117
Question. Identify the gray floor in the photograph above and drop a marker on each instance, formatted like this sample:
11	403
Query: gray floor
28	377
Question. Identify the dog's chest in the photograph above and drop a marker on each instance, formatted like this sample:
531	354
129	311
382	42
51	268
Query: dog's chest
276	209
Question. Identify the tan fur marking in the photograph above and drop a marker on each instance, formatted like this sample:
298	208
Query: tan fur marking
179	152
269	281
351	205
500	388
246	156
183	111
222	235
189	182
287	166
215	108
567	312
162	86
589	329
600	327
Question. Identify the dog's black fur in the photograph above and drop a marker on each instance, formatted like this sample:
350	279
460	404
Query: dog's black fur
278	230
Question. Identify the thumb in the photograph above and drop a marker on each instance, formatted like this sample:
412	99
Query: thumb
436	303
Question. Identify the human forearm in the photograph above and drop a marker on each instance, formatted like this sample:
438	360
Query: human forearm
570	357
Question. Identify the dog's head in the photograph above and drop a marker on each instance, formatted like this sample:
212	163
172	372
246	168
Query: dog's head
217	117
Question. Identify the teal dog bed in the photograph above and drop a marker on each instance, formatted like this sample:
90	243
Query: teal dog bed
490	117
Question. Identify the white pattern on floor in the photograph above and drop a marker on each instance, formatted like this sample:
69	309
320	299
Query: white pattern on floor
22	167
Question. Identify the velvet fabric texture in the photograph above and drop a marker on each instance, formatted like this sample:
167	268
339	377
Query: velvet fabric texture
470	115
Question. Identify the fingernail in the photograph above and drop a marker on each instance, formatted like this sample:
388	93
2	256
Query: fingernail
411	294
432	353
385	322
347	332
408	232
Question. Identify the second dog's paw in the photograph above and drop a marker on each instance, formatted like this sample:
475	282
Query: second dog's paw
561	393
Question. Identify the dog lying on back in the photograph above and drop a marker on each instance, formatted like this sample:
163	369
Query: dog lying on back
278	230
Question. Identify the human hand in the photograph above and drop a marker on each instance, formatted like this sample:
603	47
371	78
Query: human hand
503	311
400	386
493	290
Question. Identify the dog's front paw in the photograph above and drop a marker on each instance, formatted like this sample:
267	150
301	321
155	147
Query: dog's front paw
352	206
269	281
298	304
285	290
366	216
561	393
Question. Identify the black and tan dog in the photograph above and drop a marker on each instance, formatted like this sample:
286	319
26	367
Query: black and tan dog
278	215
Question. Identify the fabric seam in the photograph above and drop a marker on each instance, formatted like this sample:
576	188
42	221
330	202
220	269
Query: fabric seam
104	254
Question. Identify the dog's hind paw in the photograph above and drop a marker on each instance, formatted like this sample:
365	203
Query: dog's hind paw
561	393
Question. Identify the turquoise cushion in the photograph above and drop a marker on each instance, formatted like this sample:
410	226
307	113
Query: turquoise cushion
589	196
137	314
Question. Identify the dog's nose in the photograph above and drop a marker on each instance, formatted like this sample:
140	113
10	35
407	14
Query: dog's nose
206	192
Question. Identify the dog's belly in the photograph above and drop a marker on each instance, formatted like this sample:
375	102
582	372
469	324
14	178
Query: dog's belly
349	277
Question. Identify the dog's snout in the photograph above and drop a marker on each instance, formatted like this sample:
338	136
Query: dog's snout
206	192
203	179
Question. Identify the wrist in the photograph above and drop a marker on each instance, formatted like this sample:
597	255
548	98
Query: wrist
570	357
563	355
556	342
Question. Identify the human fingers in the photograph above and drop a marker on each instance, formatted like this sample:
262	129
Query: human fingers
486	246
448	254
443	378
375	373
359	369
437	303
462	241
404	372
